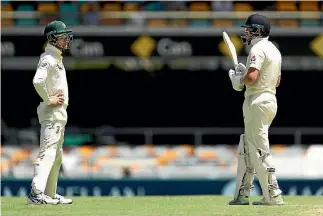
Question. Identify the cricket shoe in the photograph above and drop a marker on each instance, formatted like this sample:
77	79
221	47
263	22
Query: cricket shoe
40	199
62	200
241	200
277	200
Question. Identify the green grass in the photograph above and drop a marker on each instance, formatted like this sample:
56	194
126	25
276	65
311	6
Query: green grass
163	206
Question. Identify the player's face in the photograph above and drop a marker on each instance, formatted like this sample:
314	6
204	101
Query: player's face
245	36
63	41
249	34
248	31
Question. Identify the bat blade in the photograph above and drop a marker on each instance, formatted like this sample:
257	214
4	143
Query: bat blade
232	49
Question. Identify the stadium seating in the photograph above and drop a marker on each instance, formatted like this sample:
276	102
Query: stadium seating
49	9
310	23
88	13
157	23
69	13
108	7
147	161
6	22
309	6
131	7
286	6
178	22
85	7
26	22
288	23
200	6
222	23
242	7
154	6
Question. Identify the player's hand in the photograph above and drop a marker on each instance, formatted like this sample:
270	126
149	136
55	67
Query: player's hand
236	80
57	100
240	69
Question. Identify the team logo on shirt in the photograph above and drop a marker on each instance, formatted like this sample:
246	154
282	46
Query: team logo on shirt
43	65
60	66
253	58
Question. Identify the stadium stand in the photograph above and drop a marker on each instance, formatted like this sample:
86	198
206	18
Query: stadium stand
76	12
26	22
6	7
69	13
48	10
20	150
205	161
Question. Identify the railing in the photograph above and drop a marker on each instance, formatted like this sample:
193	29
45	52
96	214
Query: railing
174	15
198	133
134	29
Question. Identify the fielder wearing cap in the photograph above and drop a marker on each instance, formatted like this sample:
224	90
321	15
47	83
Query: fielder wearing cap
51	85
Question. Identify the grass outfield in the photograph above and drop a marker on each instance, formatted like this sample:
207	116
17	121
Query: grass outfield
162	206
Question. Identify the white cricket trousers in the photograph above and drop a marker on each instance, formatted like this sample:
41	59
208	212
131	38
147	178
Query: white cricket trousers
259	111
49	160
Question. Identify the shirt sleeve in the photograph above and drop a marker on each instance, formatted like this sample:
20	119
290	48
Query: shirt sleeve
256	59
39	81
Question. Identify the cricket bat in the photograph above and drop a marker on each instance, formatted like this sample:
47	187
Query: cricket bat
232	49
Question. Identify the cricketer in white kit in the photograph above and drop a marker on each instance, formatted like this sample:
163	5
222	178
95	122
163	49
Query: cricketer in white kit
51	84
261	76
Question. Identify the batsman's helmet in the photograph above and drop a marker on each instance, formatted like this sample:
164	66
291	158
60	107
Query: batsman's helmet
257	26
57	29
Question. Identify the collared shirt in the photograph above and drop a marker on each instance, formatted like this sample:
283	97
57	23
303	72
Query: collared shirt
50	77
265	57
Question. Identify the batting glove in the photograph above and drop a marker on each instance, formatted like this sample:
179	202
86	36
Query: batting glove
240	69
236	80
236	76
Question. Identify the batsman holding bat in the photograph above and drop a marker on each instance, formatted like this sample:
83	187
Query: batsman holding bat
51	84
261	76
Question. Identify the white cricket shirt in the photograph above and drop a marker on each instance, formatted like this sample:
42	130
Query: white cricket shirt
265	57
50	79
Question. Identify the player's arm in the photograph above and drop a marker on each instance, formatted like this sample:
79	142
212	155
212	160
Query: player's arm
43	70
254	63
39	80
251	76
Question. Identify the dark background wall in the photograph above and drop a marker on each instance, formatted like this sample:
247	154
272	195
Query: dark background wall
165	98
198	95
